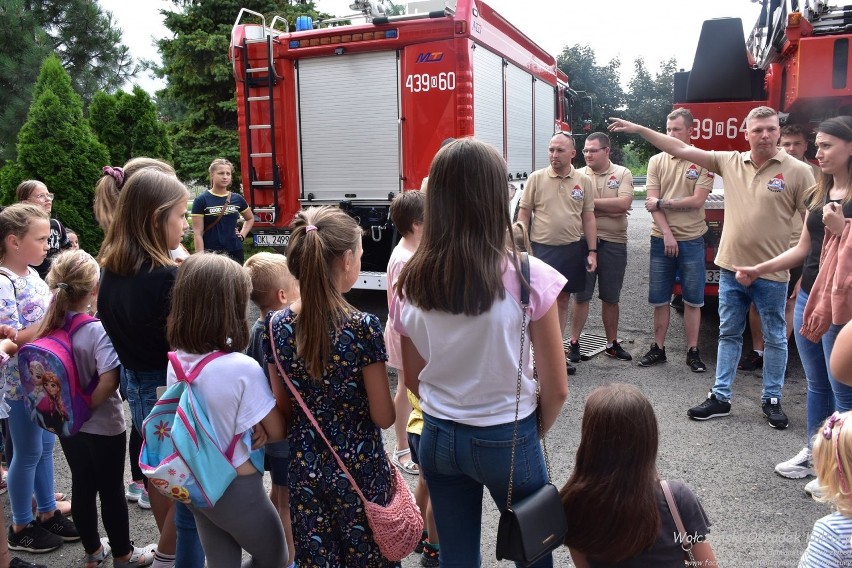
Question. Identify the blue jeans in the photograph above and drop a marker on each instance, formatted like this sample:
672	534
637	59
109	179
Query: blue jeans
457	461
825	394
189	552
141	387
661	274
31	470
769	298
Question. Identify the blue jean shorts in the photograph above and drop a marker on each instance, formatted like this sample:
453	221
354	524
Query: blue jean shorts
277	461
690	262
141	387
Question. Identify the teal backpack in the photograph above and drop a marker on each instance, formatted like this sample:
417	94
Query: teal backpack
180	455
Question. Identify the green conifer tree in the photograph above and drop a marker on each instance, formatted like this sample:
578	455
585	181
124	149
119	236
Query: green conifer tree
57	146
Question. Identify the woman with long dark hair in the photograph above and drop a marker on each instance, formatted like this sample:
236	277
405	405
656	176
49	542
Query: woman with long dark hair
616	510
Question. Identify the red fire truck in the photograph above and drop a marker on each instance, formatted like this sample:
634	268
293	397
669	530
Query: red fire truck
796	60
350	114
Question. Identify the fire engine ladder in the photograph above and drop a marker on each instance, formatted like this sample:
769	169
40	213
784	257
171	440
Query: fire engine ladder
259	83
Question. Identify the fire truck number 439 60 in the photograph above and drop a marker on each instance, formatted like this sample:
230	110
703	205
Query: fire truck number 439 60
423	82
708	128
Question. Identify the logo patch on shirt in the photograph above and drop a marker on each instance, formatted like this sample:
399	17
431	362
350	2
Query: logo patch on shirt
692	172
612	182
776	184
577	193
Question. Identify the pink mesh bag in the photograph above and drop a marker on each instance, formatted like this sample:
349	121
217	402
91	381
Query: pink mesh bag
397	526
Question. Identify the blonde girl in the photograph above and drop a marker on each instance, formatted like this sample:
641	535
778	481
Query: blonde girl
216	212
829	544
35	192
95	454
235	395
133	303
107	192
335	356
24	297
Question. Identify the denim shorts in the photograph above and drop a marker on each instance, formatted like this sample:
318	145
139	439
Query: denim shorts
569	260
612	262
413	445
277	461
690	262
141	389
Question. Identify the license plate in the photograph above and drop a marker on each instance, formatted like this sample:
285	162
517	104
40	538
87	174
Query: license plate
276	240
712	277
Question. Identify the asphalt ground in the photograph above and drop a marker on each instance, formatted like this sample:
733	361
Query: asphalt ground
759	519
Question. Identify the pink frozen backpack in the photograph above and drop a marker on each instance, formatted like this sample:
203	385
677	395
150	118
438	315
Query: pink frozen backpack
53	395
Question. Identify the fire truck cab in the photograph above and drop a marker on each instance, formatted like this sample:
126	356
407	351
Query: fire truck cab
796	60
350	112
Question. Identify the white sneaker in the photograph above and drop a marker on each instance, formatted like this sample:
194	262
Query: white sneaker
814	489
797	467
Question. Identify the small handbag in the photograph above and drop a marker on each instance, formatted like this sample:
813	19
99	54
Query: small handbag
397	526
536	525
686	542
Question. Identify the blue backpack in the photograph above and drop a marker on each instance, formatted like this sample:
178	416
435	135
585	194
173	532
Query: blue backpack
53	395
180	455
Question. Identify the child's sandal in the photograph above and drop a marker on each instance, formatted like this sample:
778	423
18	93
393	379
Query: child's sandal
97	558
138	557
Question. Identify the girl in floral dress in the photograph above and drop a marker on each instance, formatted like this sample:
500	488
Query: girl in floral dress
335	356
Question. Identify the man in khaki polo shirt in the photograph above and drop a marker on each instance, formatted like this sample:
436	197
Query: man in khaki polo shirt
560	202
795	143
613	198
764	190
677	190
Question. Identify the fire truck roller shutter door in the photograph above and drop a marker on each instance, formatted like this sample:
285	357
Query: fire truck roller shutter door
488	97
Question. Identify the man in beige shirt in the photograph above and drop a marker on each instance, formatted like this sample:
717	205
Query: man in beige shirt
613	198
764	190
795	143
677	190
557	207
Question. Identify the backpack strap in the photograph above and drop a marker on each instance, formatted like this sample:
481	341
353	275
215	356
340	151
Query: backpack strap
77	321
181	373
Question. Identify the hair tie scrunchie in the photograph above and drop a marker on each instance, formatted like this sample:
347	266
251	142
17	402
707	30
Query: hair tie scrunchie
115	173
64	286
310	228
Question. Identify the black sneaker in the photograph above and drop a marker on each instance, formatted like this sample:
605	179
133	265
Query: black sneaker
33	538
710	408
572	370
693	359
617	352
654	355
574	351
61	526
772	410
750	361
429	557
18	563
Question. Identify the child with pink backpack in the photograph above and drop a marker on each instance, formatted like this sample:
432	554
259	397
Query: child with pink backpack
95	453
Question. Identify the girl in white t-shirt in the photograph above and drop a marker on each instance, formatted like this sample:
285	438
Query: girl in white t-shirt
95	454
460	318
237	399
829	545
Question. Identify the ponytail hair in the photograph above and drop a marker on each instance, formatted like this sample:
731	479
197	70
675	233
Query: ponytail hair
112	181
72	277
320	238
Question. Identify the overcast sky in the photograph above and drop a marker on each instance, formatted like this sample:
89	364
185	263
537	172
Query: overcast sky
653	29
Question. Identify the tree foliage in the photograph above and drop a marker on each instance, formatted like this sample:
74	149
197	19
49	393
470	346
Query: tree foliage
127	124
84	37
199	100
649	101
601	82
56	145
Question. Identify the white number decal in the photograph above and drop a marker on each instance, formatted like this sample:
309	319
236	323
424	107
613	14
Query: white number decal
708	128
424	82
